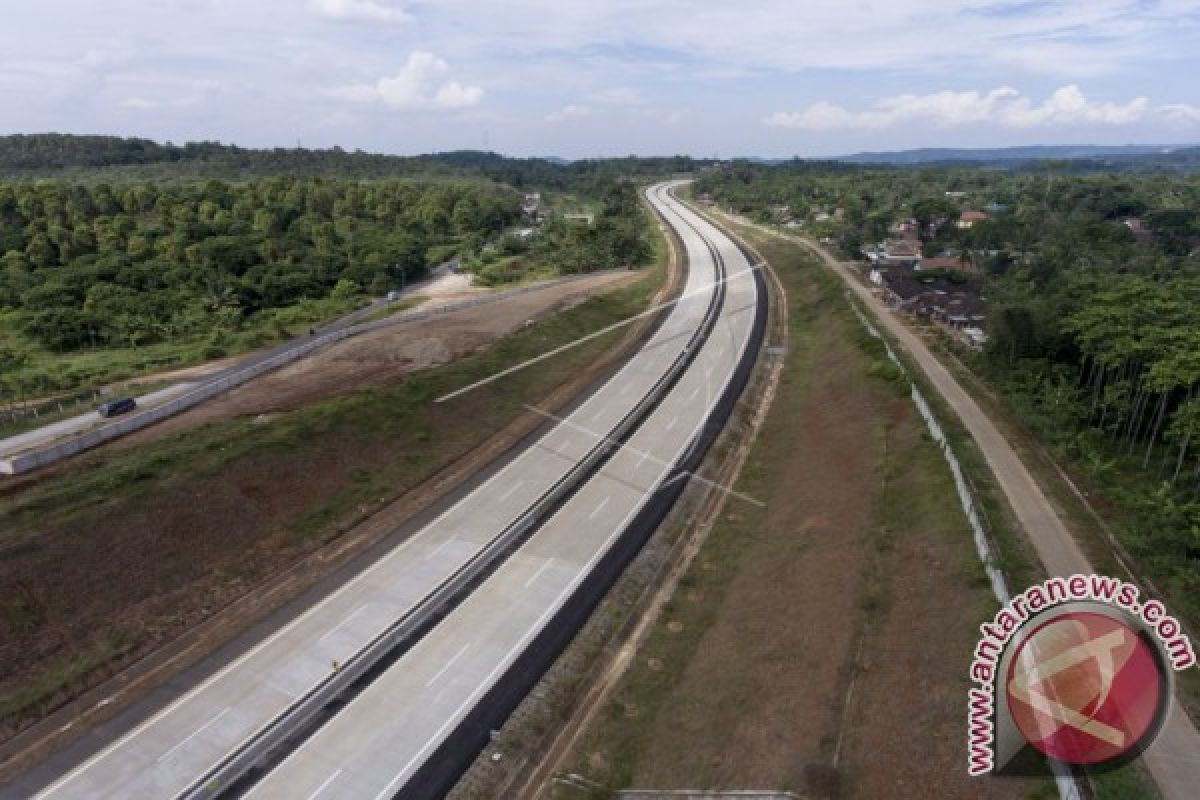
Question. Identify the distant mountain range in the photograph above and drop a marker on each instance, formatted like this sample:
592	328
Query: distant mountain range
1070	152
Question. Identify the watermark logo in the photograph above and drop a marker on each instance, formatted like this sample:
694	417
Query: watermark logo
1077	668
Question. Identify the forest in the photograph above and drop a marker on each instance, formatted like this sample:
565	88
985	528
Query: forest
92	266
1092	283
101	278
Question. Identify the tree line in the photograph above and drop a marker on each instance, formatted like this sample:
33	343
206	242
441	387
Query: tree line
126	265
1092	282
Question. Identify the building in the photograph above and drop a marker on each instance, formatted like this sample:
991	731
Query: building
968	219
943	262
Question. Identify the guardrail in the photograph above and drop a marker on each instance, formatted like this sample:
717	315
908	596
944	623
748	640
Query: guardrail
443	767
277	737
44	456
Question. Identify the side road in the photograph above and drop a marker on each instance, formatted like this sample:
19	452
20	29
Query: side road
1174	758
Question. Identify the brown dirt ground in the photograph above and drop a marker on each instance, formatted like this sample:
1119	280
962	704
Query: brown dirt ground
146	576
385	356
776	605
770	669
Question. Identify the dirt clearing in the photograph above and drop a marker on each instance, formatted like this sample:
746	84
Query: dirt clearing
386	356
123	550
860	572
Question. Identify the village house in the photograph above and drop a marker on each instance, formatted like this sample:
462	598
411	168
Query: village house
968	219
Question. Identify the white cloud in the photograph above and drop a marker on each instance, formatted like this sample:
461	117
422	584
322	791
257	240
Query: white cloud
569	111
1181	112
418	85
359	11
1003	106
455	95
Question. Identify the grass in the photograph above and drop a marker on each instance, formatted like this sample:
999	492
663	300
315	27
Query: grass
1011	551
383	442
1080	520
630	735
392	410
46	372
63	673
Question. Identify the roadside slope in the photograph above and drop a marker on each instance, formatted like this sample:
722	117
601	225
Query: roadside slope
1174	758
149	541
786	657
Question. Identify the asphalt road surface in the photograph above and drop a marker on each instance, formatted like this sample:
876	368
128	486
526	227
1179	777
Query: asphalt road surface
82	422
166	754
1174	758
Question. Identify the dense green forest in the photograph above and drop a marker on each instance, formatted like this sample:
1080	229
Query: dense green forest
1092	283
104	273
110	159
90	266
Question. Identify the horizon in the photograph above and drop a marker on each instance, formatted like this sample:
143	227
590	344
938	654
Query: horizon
592	80
1149	147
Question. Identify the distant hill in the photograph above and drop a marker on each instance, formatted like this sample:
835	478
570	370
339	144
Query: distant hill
25	157
942	155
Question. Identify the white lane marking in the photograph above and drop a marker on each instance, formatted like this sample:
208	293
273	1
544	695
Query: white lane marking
642	460
325	785
695	392
598	414
264	648
598	508
486	683
538	574
674	420
194	734
447	665
705	288
343	623
512	489
432	554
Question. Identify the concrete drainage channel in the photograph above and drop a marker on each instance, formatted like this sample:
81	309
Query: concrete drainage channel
241	769
44	456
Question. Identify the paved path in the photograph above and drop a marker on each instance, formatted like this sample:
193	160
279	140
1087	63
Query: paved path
165	754
377	743
1174	757
82	422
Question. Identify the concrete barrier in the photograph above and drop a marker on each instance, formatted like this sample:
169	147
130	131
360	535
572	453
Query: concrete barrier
53	453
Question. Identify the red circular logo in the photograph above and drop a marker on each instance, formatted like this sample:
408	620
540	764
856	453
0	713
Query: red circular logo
1084	688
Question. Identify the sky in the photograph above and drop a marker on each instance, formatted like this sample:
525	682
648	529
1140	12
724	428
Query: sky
580	78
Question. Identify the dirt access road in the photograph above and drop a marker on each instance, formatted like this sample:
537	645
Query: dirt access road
386	355
1174	758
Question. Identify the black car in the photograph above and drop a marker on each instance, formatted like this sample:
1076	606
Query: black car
115	407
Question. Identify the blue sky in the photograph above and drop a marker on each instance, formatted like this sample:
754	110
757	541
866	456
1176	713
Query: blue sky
575	78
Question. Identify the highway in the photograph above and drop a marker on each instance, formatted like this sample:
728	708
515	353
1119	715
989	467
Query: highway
382	742
179	750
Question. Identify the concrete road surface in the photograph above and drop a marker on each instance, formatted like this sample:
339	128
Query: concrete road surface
373	746
163	756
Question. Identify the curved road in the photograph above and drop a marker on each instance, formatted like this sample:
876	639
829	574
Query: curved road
167	754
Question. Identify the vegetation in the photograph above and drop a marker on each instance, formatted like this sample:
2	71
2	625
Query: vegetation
206	249
1092	281
94	586
617	237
